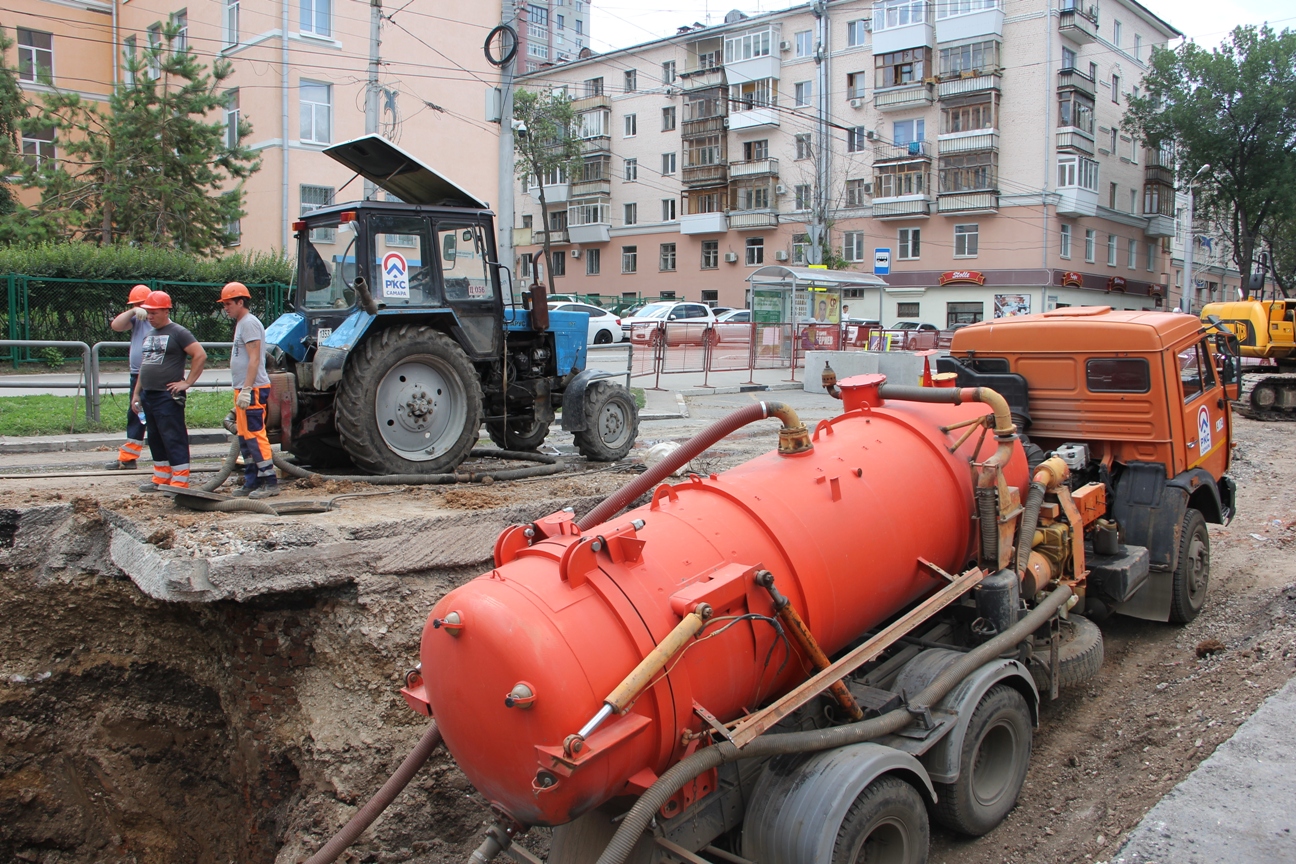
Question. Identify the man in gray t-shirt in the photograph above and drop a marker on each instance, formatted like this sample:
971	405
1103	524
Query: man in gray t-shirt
251	393
160	392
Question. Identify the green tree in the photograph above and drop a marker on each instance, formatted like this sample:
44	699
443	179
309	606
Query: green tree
13	107
549	146
1233	108
152	169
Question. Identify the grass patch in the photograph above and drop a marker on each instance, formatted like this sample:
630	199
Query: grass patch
640	397
60	415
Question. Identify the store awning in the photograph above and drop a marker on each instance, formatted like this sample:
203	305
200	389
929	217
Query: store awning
805	278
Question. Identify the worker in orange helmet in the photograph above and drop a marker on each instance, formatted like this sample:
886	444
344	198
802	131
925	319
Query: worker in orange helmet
134	320
160	392
251	393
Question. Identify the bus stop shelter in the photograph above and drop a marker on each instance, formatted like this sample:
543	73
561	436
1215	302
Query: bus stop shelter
804	295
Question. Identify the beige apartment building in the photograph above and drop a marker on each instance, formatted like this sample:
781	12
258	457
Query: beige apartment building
299	77
969	149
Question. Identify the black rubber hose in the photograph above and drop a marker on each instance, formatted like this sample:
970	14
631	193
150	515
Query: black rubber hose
549	465
365	816
640	815
1030	519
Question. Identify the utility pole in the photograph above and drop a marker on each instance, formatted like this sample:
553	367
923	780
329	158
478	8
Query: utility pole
371	87
818	226
506	153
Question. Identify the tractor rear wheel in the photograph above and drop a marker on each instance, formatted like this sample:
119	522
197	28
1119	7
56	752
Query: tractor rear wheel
612	423
409	403
516	437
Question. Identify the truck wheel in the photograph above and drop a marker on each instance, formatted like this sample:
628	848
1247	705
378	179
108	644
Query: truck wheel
409	403
515	438
1080	655
613	423
886	824
582	841
1192	572
992	765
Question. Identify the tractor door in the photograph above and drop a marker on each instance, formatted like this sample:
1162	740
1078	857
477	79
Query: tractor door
1206	419
470	285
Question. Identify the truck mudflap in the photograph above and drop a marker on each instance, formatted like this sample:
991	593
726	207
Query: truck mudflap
801	800
331	354
289	333
573	415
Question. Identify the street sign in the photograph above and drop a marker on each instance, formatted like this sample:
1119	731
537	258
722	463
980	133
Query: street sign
881	262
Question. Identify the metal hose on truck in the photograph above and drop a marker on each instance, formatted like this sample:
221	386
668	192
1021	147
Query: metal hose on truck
639	816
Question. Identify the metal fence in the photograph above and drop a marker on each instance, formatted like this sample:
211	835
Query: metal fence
44	308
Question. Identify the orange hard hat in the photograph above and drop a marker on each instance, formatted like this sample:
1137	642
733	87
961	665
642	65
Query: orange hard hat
138	294
157	300
234	289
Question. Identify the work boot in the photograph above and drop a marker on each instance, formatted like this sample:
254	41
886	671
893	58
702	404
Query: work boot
150	487
266	490
118	465
243	491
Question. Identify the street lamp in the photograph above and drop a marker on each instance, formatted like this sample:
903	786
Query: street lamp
1188	250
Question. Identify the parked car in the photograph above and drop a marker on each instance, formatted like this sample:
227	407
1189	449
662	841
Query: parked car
721	310
604	327
734	325
563	298
913	325
684	322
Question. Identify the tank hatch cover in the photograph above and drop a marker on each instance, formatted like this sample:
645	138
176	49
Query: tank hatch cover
393	170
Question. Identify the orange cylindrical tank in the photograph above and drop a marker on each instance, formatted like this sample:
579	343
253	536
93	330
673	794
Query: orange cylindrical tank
842	528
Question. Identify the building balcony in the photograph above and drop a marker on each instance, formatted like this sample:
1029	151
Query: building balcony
904	97
522	236
702	128
705	175
1074	79
596	144
750	219
591	103
590	232
967	142
702	79
755	68
754	168
1160	225
1077	201
1081	27
703	223
555	237
1159	174
969	83
884	152
985	22
555	193
906	207
585	188
752	118
967	202
898	37
1072	139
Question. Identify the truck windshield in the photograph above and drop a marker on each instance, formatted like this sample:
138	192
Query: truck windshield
328	267
462	249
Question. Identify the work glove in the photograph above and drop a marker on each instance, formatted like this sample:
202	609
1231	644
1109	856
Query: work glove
140	312
244	398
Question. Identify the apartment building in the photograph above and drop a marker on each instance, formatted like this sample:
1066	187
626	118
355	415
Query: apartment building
299	77
971	150
551	31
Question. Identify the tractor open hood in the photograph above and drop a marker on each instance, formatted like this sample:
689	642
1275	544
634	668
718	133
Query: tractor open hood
393	170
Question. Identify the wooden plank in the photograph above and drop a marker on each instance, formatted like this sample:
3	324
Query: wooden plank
756	724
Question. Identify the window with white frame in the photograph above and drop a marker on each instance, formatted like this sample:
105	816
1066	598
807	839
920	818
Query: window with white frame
668	72
629	259
313	198
856	33
1133	199
756	150
180	21
668	209
593	261
668	119
800	248
35	55
954	8
1138	47
890	14
803	148
1115	88
1116	33
558	263
909	242
1091	241
755	251
1151	255
856	139
906	132
230	23
38	146
631	125
1076	110
710	254
968	117
1132	256
666	258
154	60
316	17
232	118
746	46
855	84
804	92
1064	245
1077	171
752	94
631	170
853	245
1111	250
965	240
594	124
594	86
631	212
631	80
899	179
802	196
316	100
981	58
857	192
129	48
668	163
753	198
804	41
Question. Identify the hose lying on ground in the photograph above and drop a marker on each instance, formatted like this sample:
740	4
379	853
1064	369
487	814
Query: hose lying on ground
637	819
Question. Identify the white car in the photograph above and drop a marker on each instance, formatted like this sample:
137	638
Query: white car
684	322
604	327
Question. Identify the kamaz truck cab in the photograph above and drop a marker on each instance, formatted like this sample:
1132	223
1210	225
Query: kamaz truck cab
405	335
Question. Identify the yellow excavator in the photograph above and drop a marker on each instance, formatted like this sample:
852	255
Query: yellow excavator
1266	333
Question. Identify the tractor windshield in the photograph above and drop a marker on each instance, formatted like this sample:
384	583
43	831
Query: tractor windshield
328	266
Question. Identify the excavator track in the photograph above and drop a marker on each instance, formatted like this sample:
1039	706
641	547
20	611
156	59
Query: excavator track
1268	397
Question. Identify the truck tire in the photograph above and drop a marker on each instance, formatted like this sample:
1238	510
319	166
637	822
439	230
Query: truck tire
409	403
992	764
1080	655
515	439
1192	569
612	423
887	823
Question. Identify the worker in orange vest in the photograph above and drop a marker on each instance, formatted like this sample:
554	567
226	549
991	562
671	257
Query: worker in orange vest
133	319
251	393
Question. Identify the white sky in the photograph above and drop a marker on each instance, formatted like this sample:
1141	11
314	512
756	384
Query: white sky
622	23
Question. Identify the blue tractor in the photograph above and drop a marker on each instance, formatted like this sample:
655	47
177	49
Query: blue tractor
403	338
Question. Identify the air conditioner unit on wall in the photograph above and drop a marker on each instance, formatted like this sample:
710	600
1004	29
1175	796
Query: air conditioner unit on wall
780	189
575	253
785	46
781	255
870	135
731	257
857	103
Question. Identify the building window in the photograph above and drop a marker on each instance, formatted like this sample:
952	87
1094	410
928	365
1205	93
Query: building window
804	43
631	80
668	209
970	172
1151	255
1116	33
901	67
963	313
180	21
968	118
908	310
631	214
1068	58
804	92
668	119
756	150
802	196
753	198
905	178
705	203
856	137
702	151
853	245
803	148
800	248
594	86
38	146
855	84
1077	171
747	46
1131	257
631	125
128	60
558	263
1111	196
906	132
631	170
1075	110
668	163
1111	250
315	17
668	72
1138	47
856	193
710	254
561	25
753	94
965	241
316	112
230	23
629	259
1064	247
313	198
35	55
1115	88
979	57
755	251
232	118
1091	240
909	243
592	261
234	228
667	257
154	58
856	33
